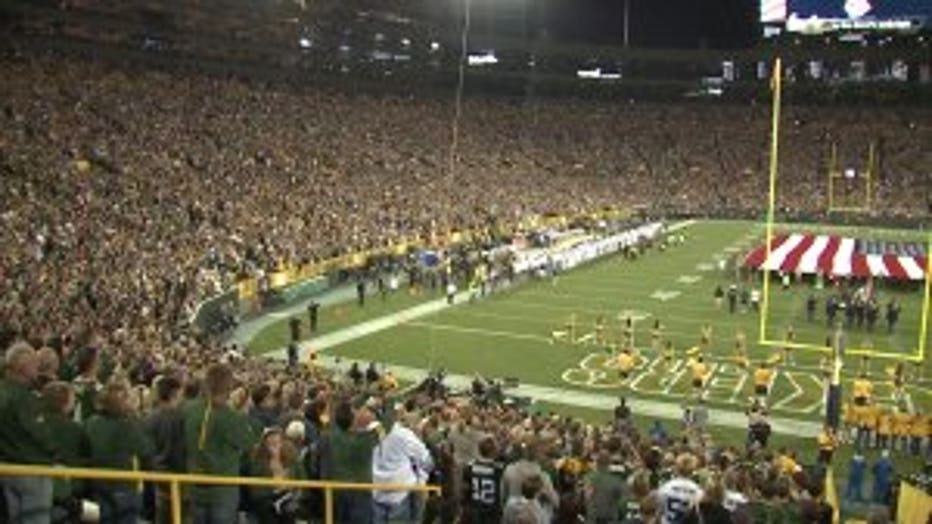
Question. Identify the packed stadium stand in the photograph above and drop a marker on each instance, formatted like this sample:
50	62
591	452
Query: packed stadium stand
132	193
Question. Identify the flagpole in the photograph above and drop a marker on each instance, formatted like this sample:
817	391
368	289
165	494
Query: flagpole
774	150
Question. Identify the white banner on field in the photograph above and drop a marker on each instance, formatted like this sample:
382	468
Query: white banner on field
584	251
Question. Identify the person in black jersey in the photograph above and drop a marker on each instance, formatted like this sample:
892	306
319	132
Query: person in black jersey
482	481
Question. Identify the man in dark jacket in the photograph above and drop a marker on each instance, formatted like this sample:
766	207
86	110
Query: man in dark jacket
24	438
165	428
71	449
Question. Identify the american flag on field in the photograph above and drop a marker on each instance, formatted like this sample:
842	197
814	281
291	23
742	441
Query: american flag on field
841	256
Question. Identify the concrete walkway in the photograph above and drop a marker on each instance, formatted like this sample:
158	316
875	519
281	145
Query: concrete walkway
247	330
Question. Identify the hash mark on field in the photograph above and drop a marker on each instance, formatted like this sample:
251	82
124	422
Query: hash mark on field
792	396
688	279
672	381
743	377
478	331
663	296
649	369
704	266
818	404
732	249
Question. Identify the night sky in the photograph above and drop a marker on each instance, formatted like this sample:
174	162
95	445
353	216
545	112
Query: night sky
652	23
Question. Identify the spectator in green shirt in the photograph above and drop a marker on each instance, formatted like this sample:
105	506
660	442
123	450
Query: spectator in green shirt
217	438
346	455
71	447
24	438
603	491
117	441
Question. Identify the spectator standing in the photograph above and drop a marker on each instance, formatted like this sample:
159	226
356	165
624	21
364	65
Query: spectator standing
117	441
274	457
165	428
525	508
401	458
346	452
679	494
523	468
710	509
24	438
482	484
216	439
71	448
603	490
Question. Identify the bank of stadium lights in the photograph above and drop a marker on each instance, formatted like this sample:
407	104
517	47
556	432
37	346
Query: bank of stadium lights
482	58
434	47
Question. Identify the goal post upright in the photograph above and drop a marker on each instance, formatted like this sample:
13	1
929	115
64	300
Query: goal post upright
776	85
871	163
924	327
833	172
832	169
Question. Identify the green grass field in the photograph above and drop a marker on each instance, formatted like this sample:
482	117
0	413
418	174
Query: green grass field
509	334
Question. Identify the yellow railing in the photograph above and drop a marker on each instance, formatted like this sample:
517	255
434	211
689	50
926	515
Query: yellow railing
176	480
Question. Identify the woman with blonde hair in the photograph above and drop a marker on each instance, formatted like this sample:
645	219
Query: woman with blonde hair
710	508
274	457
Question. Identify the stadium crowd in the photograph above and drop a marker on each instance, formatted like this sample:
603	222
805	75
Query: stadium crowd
129	196
494	460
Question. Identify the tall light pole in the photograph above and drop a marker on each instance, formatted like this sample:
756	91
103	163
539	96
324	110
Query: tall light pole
458	101
627	12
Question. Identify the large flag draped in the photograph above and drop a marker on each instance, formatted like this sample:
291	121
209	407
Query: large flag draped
840	256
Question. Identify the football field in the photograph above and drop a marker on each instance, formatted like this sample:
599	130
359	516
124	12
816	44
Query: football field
510	333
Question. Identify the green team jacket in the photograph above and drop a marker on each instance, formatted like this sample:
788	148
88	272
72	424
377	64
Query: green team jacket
117	442
216	441
71	448
25	437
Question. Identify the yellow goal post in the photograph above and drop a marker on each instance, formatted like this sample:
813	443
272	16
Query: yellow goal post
918	353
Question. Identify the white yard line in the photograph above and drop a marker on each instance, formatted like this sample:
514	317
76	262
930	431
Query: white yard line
479	331
739	387
792	396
